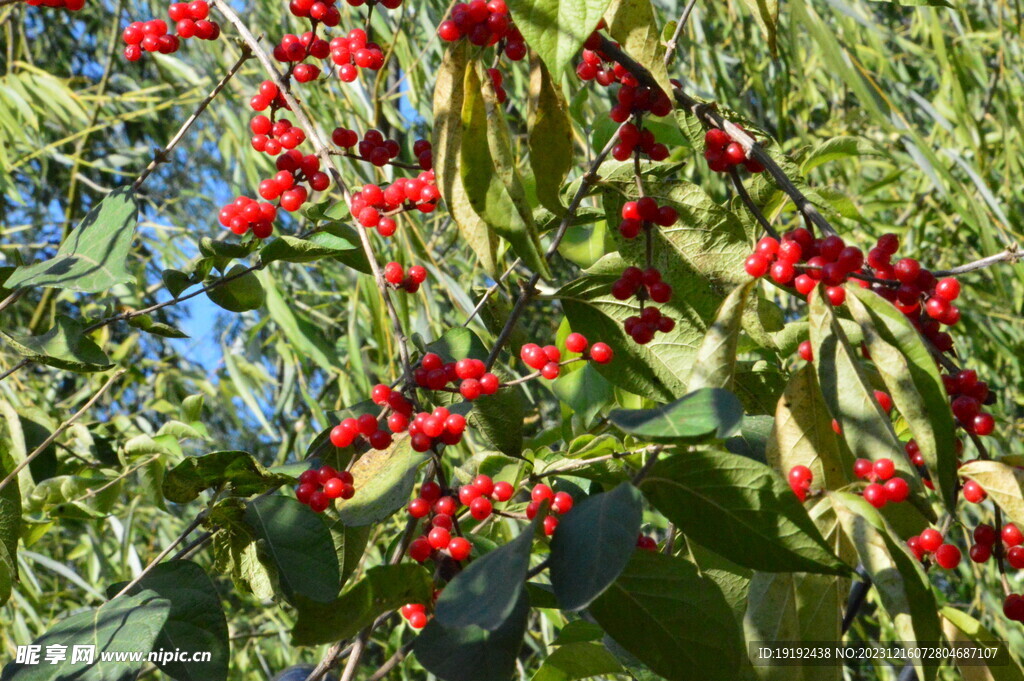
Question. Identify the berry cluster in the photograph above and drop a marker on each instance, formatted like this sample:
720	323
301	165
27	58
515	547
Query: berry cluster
894	490
414	613
643	214
471	375
985	544
968	394
632	101
440	510
396	276
484	23
318	486
930	542
561	503
292	169
349	430
722	153
373	207
353	52
190	21
548	359
244	214
644	285
271	135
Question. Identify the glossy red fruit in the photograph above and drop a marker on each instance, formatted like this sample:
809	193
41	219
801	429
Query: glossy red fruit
862	468
948	289
806	351
884	468
601	353
1015	557
875	495
896	490
1011	535
914	544
931	539
468	494
562	502
418	507
980	553
983	424
947	556
439	538
503	491
305	491
576	342
541	492
481	508
318	502
459	548
550	524
420	549
756	265
985	534
431	491
334	488
973	492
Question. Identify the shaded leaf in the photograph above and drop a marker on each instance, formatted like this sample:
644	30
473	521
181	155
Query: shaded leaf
65	346
383	481
241	293
236	470
701	415
549	128
556	30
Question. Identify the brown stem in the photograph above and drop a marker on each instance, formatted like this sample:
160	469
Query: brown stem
751	206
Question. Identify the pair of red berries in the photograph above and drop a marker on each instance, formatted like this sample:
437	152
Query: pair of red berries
642	284
484	23
397	277
722	153
599	352
318	486
414	613
946	556
244	214
894	490
561	503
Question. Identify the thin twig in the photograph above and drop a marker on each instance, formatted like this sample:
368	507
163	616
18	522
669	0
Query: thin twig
61	428
749	203
670	46
163	554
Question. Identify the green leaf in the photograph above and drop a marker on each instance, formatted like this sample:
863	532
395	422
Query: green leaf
556	30
960	628
147	324
305	337
195	622
740	509
349	545
290	249
93	255
715	363
449	95
865	427
837	148
473	653
10	513
242	293
549	132
919	3
579	660
593	544
912	379
766	12
486	592
702	415
384	588
383	481
65	346
297	543
1001	482
7	573
128	623
897	576
675	621
584	390
802	433
225	250
239	471
489	175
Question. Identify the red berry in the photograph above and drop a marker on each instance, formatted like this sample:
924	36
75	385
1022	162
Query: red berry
980	553
601	353
431	491
541	492
550	524
914	544
884	401
1011	535
1015	557
907	270
948	556
862	468
480	508
318	502
439	538
806	352
931	539
576	342
896	490
646	543
948	289
459	548
418	507
756	265
484	483
562	502
468	494
305	491
983	424
420	549
985	534
884	468
334	487
973	492
875	495
503	491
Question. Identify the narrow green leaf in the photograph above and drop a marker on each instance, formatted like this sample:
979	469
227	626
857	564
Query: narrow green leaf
92	257
584	390
320	245
633	24
740	509
593	544
699	416
766	12
306	338
449	95
961	628
549	133
579	660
